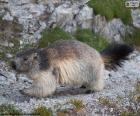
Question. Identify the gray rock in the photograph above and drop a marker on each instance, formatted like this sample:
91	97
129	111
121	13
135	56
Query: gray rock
99	22
84	17
50	1
8	78
11	45
4	43
136	17
27	14
68	15
8	17
79	2
8	55
113	30
4	1
63	17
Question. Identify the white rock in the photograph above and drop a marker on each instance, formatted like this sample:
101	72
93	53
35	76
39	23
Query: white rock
84	17
8	55
99	22
4	1
4	43
114	30
11	45
62	16
8	17
136	17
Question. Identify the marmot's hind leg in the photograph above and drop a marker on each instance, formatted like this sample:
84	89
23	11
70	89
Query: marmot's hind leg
97	84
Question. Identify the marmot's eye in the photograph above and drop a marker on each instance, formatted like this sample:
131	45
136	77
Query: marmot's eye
24	59
35	57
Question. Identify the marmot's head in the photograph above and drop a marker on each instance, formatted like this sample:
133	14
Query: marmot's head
26	61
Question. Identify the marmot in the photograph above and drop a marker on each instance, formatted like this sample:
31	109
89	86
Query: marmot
68	62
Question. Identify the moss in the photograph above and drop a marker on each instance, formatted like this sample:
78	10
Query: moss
77	103
92	39
49	36
134	38
9	110
42	111
112	9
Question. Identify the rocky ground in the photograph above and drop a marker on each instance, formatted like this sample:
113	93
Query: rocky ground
22	21
118	87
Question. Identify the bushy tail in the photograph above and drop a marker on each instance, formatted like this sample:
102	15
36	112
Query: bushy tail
115	54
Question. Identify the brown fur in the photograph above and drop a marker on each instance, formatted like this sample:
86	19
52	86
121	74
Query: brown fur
64	62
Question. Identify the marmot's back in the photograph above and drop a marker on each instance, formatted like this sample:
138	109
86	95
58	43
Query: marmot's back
66	49
68	62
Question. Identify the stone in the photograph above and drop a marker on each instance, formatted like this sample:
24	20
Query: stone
11	45
8	55
3	1
113	30
63	17
84	17
99	22
136	17
8	17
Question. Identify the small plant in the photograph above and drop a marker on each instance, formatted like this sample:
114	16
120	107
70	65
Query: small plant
42	111
77	103
112	9
49	36
92	39
9	110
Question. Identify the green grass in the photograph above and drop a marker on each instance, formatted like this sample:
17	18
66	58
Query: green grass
134	38
77	103
42	111
92	39
112	9
9	110
49	36
83	35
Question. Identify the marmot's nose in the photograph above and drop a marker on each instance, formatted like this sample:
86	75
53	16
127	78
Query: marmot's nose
13	64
